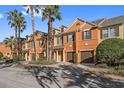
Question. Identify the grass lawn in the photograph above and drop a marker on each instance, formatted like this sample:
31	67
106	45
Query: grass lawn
116	70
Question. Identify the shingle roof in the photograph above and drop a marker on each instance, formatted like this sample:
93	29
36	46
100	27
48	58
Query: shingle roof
98	21
86	22
111	21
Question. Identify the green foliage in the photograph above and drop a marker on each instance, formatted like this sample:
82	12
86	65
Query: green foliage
1	55
18	58
101	66
16	20
110	51
10	42
117	70
51	12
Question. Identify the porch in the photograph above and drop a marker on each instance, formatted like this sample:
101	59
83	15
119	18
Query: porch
58	54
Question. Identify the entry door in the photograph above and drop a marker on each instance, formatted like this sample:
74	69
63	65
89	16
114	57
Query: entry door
60	56
71	57
87	56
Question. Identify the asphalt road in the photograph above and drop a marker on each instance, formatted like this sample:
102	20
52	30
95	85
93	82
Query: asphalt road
14	77
55	76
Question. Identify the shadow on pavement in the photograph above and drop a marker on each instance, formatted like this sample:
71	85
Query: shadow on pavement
4	65
73	76
82	78
45	74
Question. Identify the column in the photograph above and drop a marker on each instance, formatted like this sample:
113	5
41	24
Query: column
26	56
94	55
57	55
63	56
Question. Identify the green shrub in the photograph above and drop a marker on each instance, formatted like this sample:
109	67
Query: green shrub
110	51
1	55
18	58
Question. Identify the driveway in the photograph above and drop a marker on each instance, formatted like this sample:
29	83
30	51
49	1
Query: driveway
16	77
54	76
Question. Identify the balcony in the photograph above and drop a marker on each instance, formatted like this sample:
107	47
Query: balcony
59	45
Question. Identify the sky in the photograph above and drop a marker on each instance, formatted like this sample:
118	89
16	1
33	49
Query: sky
68	12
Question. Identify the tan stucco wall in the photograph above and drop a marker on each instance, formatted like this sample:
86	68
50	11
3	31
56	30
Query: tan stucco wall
121	31
55	38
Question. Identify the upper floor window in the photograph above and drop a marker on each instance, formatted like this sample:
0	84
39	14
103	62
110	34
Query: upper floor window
40	42
87	35
59	40
70	37
32	44
109	32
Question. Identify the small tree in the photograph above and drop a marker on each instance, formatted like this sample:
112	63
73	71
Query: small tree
110	51
10	42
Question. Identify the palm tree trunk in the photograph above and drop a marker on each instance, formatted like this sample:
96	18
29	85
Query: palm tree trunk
16	36
51	38
19	45
47	49
33	28
48	42
11	56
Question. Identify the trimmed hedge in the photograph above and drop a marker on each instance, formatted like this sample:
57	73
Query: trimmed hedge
110	51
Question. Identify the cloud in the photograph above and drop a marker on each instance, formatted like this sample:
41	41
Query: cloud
26	14
1	16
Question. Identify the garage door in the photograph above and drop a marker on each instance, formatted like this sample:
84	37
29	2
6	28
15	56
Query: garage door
71	57
87	56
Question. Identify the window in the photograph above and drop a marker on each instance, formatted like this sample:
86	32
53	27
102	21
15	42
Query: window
40	42
105	33
59	40
70	37
110	32
32	44
87	35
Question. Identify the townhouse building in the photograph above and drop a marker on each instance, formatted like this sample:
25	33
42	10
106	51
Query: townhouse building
40	46
111	28
59	48
80	40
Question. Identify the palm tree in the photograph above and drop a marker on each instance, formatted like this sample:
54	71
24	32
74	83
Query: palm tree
33	9
50	13
10	42
12	21
21	24
16	21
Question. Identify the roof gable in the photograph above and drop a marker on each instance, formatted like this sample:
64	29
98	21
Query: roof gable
81	22
109	22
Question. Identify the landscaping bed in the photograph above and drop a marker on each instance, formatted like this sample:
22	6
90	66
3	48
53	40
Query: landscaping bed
42	62
117	71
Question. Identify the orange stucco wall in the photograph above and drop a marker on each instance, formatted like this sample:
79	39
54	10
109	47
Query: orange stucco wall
38	46
5	50
79	44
